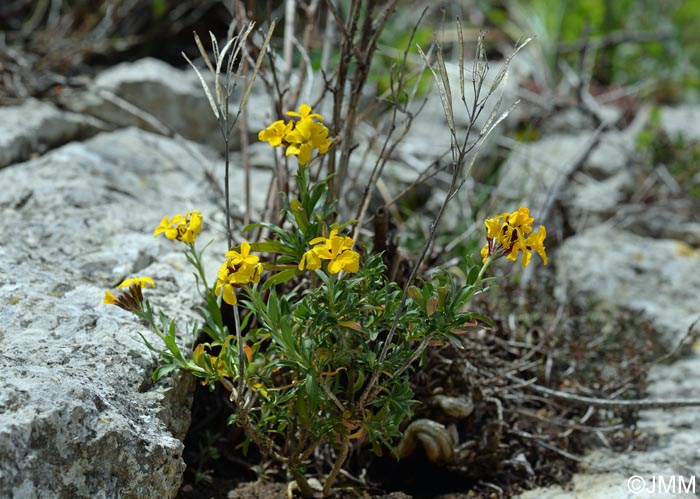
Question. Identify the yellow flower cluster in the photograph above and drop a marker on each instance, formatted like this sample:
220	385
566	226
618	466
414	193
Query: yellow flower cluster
336	249
131	298
508	233
300	137
238	269
183	229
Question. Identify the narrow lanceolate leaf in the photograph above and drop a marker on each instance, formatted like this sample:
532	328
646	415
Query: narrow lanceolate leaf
212	103
258	63
351	325
281	277
271	247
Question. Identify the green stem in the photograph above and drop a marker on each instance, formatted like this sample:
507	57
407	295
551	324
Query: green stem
196	257
241	354
486	265
331	294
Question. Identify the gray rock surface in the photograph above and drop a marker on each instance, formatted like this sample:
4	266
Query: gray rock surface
645	259
682	122
674	454
655	277
534	172
79	415
152	95
36	126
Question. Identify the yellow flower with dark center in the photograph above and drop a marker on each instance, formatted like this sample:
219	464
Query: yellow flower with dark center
183	229
238	269
507	234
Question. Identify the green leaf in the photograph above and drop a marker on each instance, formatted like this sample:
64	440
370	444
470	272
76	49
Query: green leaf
312	392
272	247
300	216
265	225
473	275
281	277
481	317
415	295
163	370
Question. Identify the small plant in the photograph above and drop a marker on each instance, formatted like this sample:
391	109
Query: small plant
326	361
321	344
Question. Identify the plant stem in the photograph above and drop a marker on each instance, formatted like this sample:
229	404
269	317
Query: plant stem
229	239
339	461
304	488
241	354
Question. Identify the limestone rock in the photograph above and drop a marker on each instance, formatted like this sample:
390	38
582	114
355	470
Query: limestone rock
681	122
79	415
656	277
536	171
152	95
36	126
605	474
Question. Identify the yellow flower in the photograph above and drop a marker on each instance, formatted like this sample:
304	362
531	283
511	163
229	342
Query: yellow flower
275	133
521	223
238	269
335	248
229	293
142	282
299	137
494	226
349	261
506	233
484	253
244	257
190	227
183	229
304	113
109	299
168	227
131	297
535	242
310	261
307	136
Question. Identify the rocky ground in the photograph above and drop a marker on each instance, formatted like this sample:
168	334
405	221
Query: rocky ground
86	177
